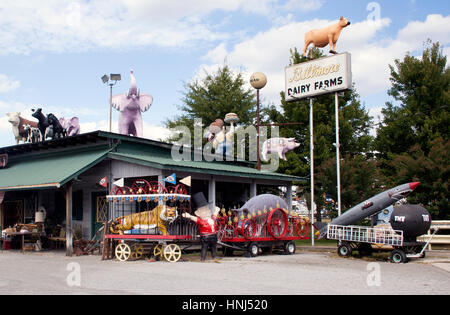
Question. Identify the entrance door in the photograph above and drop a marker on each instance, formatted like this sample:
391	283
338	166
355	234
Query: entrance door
99	209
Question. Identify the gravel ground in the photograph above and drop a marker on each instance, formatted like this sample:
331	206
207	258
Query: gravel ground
303	273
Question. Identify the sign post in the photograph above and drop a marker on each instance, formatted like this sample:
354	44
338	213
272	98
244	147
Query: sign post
313	78
311	149
338	155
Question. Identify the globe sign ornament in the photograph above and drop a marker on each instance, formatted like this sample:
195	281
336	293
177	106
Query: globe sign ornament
258	80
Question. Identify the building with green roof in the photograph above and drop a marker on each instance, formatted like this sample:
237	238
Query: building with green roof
63	176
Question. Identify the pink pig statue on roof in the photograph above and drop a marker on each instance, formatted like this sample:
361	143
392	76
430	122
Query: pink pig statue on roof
280	146
130	105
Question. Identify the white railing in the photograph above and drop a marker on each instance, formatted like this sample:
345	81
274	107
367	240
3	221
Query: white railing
437	239
365	235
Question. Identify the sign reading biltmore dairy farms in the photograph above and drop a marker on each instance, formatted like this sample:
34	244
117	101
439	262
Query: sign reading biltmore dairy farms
320	76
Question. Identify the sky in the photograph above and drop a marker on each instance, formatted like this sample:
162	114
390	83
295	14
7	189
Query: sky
53	53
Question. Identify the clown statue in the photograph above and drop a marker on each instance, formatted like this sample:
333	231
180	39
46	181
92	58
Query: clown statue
205	219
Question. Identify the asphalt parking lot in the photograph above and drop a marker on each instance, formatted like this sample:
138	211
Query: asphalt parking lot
306	272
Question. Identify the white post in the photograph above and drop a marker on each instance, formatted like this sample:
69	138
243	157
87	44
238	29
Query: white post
253	189
338	160
289	196
69	229
161	180
212	190
311	146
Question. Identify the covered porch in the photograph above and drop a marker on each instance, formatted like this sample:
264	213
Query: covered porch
63	177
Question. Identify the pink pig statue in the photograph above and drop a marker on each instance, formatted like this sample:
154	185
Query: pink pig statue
280	146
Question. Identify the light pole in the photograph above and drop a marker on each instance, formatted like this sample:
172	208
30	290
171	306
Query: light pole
106	79
258	80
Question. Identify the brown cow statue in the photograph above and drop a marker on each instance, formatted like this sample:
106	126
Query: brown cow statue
326	36
21	133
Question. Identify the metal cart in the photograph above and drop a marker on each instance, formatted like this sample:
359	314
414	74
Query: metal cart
362	238
129	234
266	230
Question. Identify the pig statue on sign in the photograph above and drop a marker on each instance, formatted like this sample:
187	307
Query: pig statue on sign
280	146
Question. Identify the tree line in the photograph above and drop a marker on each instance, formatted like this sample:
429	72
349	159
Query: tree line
411	142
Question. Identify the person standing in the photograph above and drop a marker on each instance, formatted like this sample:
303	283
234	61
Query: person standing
205	218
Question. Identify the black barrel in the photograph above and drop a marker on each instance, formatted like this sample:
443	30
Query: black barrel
413	220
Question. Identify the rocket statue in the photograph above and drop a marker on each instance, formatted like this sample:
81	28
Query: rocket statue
369	207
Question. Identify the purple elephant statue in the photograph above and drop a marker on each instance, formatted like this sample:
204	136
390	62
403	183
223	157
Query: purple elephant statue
130	105
71	126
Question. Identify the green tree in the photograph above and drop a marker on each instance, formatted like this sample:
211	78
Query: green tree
413	139
421	87
360	180
355	125
214	96
432	170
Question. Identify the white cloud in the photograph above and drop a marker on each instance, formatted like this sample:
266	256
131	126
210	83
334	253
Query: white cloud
65	25
79	25
23	109
150	131
268	51
7	84
303	5
434	27
217	55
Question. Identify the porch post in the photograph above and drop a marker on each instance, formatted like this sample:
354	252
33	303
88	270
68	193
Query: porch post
289	196
69	234
1	217
253	190
212	190
161	180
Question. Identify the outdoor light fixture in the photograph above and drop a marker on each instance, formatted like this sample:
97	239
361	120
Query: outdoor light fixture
258	80
105	78
114	77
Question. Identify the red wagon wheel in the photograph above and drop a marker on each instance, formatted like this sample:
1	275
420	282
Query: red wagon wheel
248	228
157	188
291	226
222	221
228	231
181	189
277	223
171	189
301	228
116	190
141	187
128	190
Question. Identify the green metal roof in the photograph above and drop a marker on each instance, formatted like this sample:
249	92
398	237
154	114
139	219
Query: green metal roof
162	161
50	170
52	164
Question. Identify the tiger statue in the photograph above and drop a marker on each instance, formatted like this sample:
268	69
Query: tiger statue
159	217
